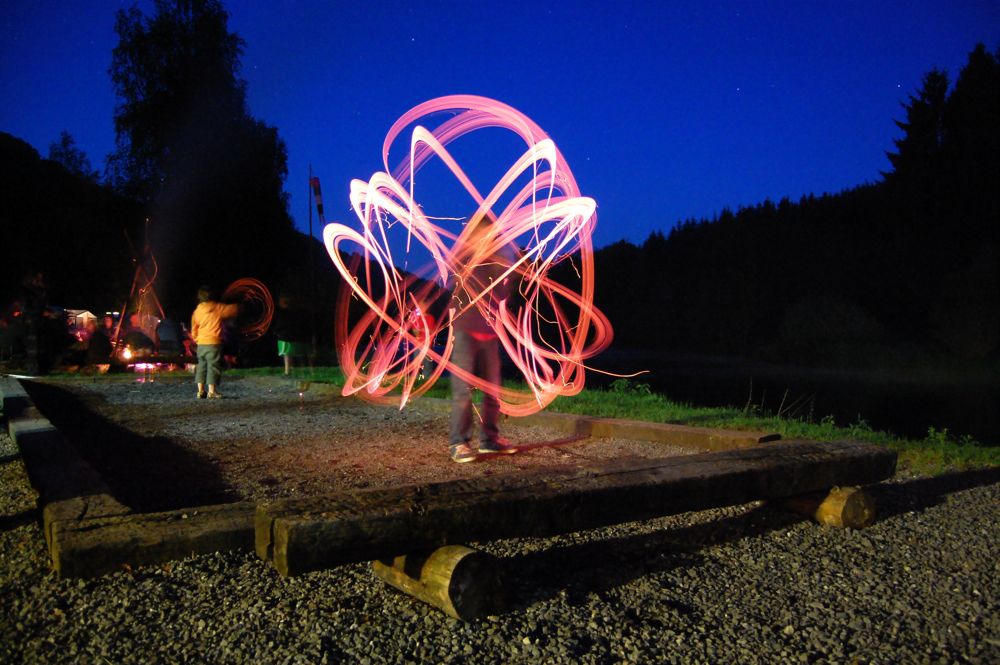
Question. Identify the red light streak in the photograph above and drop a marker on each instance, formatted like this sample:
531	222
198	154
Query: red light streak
548	332
257	300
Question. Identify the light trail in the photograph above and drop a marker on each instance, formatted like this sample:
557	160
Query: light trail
257	306
548	330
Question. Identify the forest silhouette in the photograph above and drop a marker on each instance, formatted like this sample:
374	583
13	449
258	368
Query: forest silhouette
901	271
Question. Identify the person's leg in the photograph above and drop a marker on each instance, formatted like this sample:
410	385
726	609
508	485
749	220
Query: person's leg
201	370
213	361
462	355
488	368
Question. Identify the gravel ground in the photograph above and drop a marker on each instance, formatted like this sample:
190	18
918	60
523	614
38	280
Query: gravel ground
159	448
745	584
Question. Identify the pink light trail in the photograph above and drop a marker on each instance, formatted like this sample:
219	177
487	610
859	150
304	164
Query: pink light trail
548	330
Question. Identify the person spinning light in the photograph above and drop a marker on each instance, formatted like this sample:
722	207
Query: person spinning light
206	331
477	348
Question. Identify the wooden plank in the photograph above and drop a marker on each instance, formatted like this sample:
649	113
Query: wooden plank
300	535
68	487
699	438
91	547
696	438
13	398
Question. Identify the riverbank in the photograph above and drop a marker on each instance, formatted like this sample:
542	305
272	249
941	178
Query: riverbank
905	400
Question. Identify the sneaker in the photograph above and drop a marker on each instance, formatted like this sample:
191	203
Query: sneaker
461	452
499	447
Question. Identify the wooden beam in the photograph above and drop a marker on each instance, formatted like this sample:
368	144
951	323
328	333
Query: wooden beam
699	438
460	581
841	507
702	439
100	545
300	535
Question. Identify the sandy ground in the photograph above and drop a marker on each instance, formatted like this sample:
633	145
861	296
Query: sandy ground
160	448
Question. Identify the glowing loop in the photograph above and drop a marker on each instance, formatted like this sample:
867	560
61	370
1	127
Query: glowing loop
257	306
547	330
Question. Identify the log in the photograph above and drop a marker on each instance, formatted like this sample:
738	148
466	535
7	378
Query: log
68	487
460	581
14	399
100	545
841	507
301	535
685	436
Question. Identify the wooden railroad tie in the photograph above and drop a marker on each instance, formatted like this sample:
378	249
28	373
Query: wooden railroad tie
301	535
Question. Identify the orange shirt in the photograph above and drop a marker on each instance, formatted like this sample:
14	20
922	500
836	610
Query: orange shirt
206	322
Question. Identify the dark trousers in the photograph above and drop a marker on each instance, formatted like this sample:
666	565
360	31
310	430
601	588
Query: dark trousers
209	369
483	360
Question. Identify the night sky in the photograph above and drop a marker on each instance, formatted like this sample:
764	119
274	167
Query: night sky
665	110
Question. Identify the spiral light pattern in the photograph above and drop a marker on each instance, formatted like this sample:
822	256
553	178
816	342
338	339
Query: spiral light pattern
258	306
548	330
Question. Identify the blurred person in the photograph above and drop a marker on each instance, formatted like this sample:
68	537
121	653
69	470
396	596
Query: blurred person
34	305
477	347
169	338
137	338
291	327
98	344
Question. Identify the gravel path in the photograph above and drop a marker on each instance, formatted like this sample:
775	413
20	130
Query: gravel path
748	584
159	448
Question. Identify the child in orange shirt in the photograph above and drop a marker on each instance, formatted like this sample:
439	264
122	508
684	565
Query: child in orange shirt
206	331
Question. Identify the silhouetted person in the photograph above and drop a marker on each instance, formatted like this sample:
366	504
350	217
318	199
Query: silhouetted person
98	344
291	327
169	337
137	339
34	301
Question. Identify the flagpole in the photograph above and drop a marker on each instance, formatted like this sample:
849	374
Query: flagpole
309	249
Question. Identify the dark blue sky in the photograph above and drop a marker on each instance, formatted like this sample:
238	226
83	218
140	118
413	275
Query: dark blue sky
665	110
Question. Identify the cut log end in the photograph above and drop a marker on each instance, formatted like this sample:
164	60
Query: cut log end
460	581
849	507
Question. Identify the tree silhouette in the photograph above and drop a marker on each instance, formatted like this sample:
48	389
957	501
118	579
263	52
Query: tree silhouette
175	72
211	175
67	226
919	149
66	152
892	272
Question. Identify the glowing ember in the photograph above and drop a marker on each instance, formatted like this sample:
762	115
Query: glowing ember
257	303
548	330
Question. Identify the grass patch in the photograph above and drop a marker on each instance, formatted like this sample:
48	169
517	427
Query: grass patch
324	374
938	452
